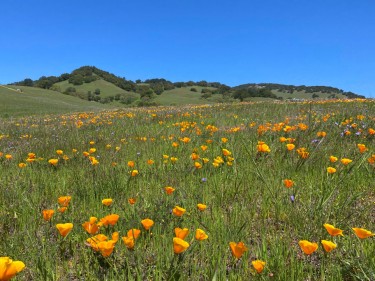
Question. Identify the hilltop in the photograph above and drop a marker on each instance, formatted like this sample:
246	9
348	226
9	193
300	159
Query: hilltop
93	84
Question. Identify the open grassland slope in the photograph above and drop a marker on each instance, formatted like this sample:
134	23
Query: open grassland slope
263	191
36	101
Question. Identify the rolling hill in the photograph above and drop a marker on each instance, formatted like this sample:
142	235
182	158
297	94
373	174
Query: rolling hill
90	88
35	101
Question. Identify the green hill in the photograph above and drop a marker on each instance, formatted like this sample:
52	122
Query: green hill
92	84
34	101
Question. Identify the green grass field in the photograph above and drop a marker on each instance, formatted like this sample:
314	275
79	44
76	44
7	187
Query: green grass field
267	173
33	101
106	89
184	96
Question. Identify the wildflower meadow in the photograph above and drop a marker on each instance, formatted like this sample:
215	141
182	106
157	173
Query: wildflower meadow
247	191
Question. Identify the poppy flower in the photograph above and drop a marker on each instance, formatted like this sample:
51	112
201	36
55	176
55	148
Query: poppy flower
47	214
226	152
132	201
59	152
224	140
62	209
346	161
263	147
362	233
134	233
150	161
258	265
22	165
134	173
64	200
197	165
201	207
178	211
131	164
169	190
328	245
308	247
94	241
181	232
107	202
64	228
129	242
9	268
194	156
110	219
333	159
362	148
53	162
290	146
200	235
288	183
237	249
90	226
8	156
331	170
147	223
106	247
92	150
332	230
179	245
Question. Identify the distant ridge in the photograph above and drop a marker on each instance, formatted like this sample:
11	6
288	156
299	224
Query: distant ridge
93	84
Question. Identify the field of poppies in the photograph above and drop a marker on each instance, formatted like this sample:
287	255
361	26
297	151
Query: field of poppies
252	191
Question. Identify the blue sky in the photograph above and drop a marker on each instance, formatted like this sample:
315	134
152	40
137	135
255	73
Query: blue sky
300	42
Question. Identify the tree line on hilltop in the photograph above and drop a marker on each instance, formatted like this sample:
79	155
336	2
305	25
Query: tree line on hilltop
147	89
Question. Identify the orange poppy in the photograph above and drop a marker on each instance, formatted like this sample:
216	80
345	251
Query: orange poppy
258	265
147	223
362	233
237	249
200	235
178	211
47	214
9	268
181	232
179	245
308	247
332	230
64	228
134	233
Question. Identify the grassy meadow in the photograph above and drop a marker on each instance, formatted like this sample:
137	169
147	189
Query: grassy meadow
256	179
36	101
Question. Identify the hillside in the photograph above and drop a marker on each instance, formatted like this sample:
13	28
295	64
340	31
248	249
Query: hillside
93	84
35	101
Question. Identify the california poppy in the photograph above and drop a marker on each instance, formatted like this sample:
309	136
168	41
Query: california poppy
179	245
332	230
258	265
53	162
237	249
181	232
129	242
288	183
132	201
262	147
107	202
178	211
290	146
346	161
308	247
9	268
331	170
64	200
200	235
328	245
134	233
362	233
110	219
64	228
201	207
333	159
134	173
169	190
90	226
147	223
47	214
106	247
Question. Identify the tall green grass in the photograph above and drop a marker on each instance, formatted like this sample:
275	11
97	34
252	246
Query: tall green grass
246	199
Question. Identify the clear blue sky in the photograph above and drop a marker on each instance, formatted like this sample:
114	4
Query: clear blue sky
300	42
